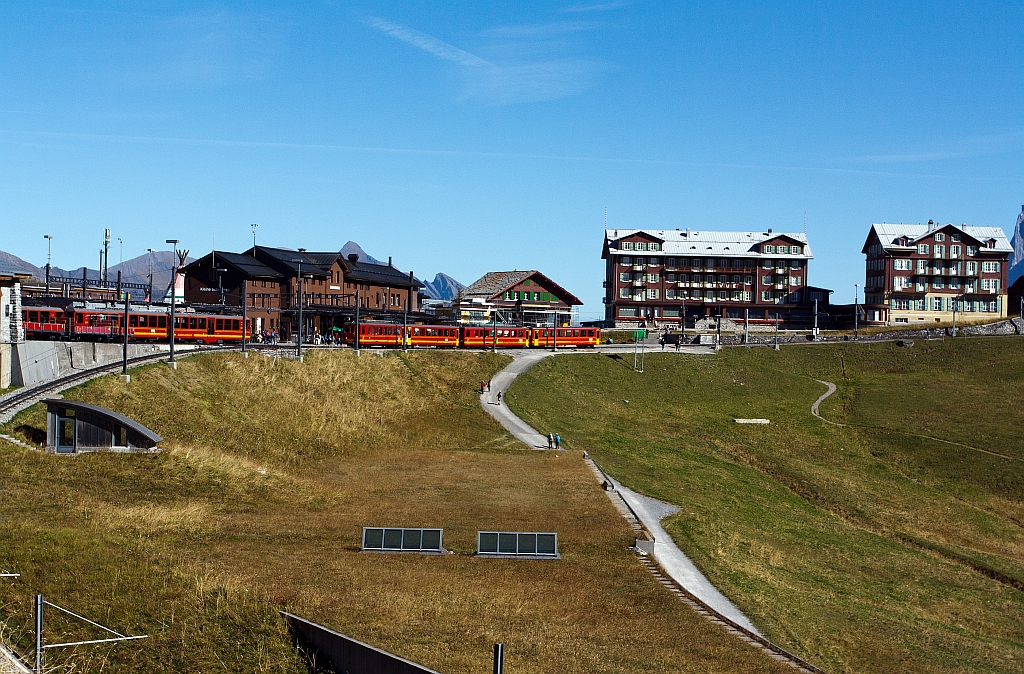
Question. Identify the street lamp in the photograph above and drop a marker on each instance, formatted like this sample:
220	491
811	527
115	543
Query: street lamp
302	290
150	256
49	240
174	282
856	311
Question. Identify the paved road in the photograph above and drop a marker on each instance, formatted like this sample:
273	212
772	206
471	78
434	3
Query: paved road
650	511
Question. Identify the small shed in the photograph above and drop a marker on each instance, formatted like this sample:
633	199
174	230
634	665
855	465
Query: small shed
73	427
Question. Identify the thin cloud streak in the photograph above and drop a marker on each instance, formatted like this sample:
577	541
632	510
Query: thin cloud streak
369	149
602	7
427	43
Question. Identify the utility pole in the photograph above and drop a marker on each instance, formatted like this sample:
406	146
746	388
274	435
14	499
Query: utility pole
815	319
149	297
856	311
682	318
301	289
125	377
39	633
746	326
776	331
494	328
554	332
245	315
357	319
106	254
254	237
174	283
49	240
405	319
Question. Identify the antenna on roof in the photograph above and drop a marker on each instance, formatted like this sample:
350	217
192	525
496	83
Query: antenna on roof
805	222
606	217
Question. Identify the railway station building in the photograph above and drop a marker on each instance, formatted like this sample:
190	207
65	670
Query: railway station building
918	273
523	298
331	286
656	277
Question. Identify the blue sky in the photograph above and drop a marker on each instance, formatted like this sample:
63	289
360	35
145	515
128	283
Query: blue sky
467	137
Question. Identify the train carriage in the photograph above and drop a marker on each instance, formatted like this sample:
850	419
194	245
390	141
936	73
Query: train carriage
506	338
578	337
434	335
374	334
44	322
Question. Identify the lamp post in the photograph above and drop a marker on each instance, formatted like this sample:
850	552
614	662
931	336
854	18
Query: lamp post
174	283
125	377
301	291
405	318
149	297
357	319
254	236
49	240
856	311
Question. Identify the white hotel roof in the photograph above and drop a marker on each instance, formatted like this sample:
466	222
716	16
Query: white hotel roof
685	242
888	233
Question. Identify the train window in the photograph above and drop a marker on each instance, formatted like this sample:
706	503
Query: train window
219	324
163	322
202	323
78	318
236	325
192	324
33	316
133	321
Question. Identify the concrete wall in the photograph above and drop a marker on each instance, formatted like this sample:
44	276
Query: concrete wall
33	362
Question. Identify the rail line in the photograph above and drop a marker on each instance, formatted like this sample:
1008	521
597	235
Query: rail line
14	402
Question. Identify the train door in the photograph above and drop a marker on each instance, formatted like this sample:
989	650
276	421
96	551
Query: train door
211	325
65	431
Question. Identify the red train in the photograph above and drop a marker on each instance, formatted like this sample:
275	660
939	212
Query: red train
106	324
389	335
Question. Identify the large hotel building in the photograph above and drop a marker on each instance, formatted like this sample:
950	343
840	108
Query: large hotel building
922	273
653	275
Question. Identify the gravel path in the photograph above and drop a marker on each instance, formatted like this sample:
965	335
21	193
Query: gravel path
649	511
814	407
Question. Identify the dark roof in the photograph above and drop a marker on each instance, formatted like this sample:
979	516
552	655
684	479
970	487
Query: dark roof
8	269
110	414
324	259
379	274
244	264
493	283
287	261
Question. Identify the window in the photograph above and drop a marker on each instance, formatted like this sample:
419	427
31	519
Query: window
736	278
954	283
922	249
654	246
624	277
736	295
626	260
627	312
722	278
972	251
767	264
794	280
991	284
709	279
903	265
710	263
972	268
954	251
936	304
900	282
652	293
683	278
670	278
652	278
748	280
990	267
940	236
768	249
626	245
940	251
670	262
937	282
766	295
670	294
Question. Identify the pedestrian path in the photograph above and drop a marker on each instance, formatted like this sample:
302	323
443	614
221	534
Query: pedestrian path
648	510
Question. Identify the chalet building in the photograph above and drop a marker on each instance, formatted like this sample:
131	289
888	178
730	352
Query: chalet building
656	276
330	289
923	273
514	298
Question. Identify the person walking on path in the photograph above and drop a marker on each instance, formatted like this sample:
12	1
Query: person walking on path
551	441
558	441
488	385
499	397
483	386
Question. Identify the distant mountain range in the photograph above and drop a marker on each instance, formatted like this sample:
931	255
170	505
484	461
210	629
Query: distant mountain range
136	270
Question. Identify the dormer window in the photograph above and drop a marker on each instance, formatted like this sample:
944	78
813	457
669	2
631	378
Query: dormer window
768	249
653	246
625	245
940	236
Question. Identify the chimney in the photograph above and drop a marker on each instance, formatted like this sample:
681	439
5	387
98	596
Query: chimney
769	230
389	261
353	257
302	250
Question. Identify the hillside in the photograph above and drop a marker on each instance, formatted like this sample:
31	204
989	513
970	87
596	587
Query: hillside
893	544
269	471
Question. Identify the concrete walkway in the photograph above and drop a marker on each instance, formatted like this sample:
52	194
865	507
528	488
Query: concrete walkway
500	382
649	511
826	394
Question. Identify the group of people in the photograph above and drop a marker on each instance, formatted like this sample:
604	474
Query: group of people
264	337
554	441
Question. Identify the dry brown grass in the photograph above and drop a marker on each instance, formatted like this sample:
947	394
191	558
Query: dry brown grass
257	503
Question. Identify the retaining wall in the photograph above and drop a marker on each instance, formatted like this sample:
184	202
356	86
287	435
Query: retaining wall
34	362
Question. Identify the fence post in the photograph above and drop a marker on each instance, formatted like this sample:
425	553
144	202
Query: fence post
39	633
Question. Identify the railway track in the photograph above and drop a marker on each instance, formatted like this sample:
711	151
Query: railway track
12	403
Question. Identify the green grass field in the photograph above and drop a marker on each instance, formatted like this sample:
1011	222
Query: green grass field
256	504
895	544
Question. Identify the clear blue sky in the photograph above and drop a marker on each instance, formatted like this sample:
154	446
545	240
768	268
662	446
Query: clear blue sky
467	137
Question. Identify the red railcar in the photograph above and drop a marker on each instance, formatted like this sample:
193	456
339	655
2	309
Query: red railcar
514	338
44	322
554	337
374	334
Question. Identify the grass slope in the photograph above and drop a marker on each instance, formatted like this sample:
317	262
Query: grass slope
874	547
270	470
